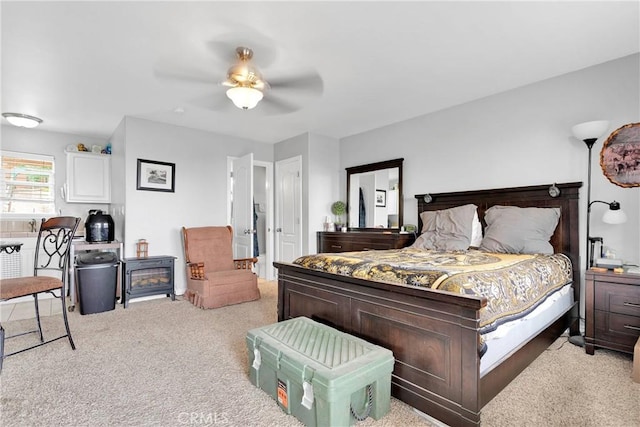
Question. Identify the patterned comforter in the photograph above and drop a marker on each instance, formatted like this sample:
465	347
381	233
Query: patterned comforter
512	284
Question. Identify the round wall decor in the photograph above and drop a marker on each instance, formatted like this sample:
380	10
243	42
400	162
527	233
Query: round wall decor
620	156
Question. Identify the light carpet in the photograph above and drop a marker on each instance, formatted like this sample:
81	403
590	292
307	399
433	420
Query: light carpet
164	363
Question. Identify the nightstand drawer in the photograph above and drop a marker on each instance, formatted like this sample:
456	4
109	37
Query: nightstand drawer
620	299
619	328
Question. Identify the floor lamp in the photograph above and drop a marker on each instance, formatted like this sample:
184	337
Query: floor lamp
589	132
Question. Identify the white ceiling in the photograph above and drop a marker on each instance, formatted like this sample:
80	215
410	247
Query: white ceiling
83	66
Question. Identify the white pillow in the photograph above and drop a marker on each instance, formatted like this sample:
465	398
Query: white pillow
476	232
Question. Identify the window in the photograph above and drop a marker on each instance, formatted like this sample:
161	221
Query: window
27	183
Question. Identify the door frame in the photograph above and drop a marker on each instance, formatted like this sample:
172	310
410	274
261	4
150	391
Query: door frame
270	272
269	256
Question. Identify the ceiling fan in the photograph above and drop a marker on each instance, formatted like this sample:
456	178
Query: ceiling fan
245	82
246	86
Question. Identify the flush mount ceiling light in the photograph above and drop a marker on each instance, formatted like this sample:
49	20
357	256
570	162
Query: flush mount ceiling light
22	120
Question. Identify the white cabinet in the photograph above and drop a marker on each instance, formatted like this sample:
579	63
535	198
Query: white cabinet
88	178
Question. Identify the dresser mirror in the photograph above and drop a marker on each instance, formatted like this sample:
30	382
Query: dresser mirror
374	196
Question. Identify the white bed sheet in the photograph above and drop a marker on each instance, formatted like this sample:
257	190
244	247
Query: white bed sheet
508	338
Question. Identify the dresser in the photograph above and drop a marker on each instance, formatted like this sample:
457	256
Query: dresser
338	241
612	310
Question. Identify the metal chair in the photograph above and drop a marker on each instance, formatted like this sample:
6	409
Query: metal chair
51	259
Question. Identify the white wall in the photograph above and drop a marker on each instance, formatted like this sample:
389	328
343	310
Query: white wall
324	184
118	173
200	185
520	137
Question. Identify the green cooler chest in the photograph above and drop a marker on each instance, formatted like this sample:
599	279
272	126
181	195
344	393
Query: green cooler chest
322	376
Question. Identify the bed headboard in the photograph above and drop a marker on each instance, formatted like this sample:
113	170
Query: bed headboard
566	238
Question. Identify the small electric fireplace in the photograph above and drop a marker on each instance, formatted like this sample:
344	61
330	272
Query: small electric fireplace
142	277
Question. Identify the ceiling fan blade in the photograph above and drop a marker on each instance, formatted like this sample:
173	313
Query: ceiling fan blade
186	75
214	102
272	105
310	82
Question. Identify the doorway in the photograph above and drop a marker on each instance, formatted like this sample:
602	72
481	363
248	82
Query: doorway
253	227
263	215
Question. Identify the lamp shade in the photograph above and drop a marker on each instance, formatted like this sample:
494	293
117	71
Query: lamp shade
614	216
590	130
244	97
22	120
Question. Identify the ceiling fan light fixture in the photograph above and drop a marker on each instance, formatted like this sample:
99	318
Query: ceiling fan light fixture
244	97
22	120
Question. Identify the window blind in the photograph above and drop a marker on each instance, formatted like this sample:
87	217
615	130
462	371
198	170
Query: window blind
27	183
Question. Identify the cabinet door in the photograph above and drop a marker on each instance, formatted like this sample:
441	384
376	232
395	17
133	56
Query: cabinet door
88	178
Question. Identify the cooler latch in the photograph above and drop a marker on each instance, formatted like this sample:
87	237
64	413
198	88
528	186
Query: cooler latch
257	359
307	388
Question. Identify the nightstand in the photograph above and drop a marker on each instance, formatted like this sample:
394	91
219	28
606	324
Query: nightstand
612	310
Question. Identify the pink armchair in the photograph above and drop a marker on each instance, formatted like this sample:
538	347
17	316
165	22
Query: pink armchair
214	278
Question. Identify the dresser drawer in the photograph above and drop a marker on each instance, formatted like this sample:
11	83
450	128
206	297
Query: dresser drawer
617	328
369	246
616	298
330	244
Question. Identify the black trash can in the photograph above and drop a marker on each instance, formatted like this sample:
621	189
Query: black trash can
97	279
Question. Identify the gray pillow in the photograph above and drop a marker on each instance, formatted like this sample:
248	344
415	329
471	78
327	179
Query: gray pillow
446	229
515	230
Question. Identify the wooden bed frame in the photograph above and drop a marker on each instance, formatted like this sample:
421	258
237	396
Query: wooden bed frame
434	334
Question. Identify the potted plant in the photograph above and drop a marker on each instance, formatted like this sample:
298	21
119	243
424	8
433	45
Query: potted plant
338	209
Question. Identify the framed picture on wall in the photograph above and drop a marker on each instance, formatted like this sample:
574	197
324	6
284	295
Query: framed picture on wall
620	156
381	198
156	176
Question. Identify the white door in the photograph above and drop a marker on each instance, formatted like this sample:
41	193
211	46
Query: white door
242	206
289	209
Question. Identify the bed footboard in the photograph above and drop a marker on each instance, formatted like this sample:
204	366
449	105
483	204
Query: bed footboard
433	335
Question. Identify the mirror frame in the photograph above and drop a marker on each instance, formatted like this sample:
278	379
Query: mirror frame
387	164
